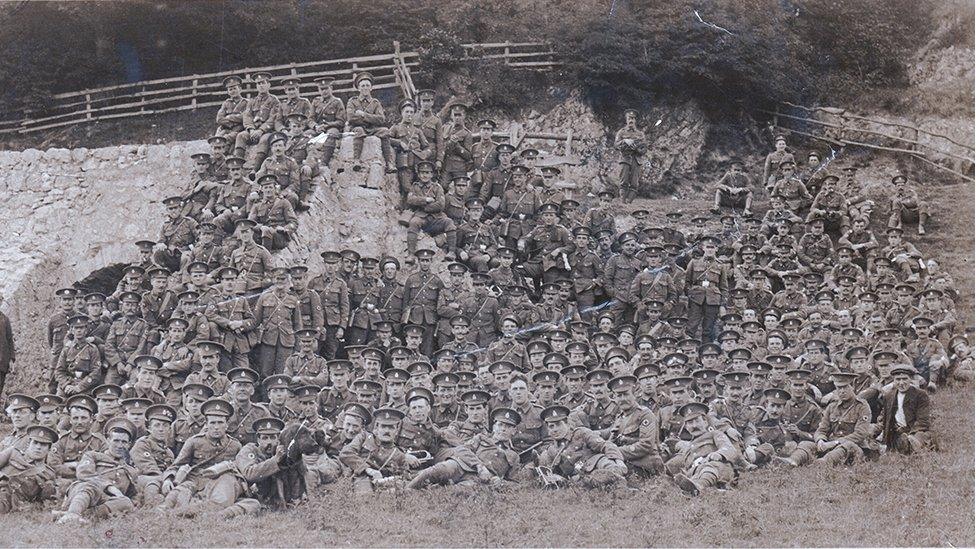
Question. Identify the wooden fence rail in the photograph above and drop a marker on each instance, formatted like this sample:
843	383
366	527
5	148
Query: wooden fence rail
165	95
846	128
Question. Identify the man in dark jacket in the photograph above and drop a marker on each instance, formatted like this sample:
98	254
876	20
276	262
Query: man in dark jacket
905	427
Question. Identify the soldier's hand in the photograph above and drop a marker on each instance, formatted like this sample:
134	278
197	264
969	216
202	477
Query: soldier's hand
438	165
792	429
167	486
340	333
463	255
554	253
715	456
279	453
412	461
373	473
428	200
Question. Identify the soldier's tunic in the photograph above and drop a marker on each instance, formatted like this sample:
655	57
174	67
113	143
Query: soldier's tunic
582	453
66	452
636	433
618	278
310	369
334	298
482	311
254	262
595	415
126	339
276	319
420	297
240	425
848	422
23	481
517	213
365	452
78	368
230	117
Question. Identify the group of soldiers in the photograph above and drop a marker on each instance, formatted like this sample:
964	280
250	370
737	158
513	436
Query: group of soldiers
545	344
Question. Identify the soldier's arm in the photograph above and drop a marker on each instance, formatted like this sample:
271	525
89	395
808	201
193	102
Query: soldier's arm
142	459
863	428
439	200
823	427
725	447
375	115
415	199
648	441
248	116
350	455
253	469
344	308
274	118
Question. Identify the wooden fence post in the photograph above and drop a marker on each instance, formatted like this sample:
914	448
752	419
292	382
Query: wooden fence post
88	114
507	53
569	142
194	100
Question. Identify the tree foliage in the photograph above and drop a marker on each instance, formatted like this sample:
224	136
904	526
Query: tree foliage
616	50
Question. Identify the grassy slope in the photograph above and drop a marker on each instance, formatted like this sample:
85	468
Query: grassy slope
917	500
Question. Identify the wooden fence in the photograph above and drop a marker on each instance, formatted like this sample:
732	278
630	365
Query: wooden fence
151	97
841	128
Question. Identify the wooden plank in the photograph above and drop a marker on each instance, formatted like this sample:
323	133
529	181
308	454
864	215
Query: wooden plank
29	127
272	68
504	44
549	64
381	80
946	168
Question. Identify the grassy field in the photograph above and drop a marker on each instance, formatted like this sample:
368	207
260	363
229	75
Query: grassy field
916	500
898	501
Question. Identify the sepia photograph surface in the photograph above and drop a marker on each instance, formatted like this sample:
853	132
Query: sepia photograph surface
482	273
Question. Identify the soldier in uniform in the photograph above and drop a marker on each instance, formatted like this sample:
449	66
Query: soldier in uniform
456	156
57	329
845	428
305	367
816	250
734	189
426	202
334	296
79	364
211	446
365	116
152	455
547	247
518	206
586	272
576	452
420	297
375	455
25	476
277	317
618	278
126	338
450	301
364	297
707	459
251	259
190	420
707	283
774	160
328	117
599	411
279	390
230	115
632	144
241	386
287	171
260	118
106	479
176	235
635	430
410	145
477	241
274	215
906	205
22	411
